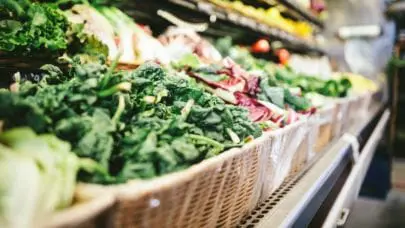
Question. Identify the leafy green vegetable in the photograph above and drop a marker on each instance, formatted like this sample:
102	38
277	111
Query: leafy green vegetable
42	164
135	124
188	60
28	27
41	30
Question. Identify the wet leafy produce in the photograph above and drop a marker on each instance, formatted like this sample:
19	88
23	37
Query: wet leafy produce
42	30
135	124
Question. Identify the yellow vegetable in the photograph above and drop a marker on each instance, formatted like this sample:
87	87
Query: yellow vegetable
360	84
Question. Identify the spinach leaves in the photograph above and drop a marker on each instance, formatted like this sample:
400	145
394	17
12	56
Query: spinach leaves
135	124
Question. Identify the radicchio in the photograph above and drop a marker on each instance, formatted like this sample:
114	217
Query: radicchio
257	111
236	71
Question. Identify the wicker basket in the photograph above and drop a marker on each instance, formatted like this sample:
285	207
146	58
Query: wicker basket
340	117
305	151
93	207
325	124
279	154
364	103
216	192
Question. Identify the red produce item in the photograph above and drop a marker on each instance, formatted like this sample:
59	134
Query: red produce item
283	56
261	46
257	111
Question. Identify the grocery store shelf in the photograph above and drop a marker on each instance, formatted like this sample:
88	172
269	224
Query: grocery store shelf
221	22
290	40
300	198
298	11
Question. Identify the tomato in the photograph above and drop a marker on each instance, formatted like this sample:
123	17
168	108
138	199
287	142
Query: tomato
283	56
261	46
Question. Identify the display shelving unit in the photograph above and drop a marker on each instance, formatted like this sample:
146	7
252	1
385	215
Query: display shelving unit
322	193
297	11
221	22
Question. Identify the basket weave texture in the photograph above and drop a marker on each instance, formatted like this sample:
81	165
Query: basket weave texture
215	192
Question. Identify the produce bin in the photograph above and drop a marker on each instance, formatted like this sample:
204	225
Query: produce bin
278	158
216	192
305	150
93	207
364	102
350	116
340	116
325	127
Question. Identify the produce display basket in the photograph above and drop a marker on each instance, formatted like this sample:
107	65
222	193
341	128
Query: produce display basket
325	127
340	116
364	103
279	155
216	192
305	151
354	107
351	112
358	105
93	207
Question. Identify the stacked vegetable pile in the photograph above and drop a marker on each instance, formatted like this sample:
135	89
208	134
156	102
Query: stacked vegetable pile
308	90
41	30
236	86
122	36
136	124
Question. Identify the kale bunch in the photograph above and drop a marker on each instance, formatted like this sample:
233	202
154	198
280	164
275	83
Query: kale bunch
41	30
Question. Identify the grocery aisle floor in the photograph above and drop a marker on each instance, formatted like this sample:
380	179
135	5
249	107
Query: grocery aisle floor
372	213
